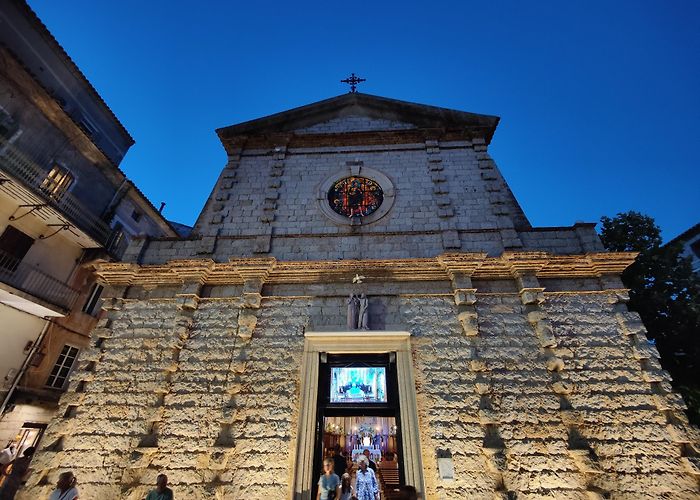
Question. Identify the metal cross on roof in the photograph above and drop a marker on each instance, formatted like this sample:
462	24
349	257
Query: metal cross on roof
353	80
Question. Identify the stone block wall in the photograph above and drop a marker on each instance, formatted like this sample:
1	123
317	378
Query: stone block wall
296	210
265	197
340	246
580	238
561	398
354	123
578	419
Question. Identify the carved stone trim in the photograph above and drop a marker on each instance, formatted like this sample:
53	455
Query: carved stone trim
269	270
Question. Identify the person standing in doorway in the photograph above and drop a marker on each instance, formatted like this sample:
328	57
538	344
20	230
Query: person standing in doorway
162	492
346	488
329	483
366	486
6	456
20	471
339	462
370	462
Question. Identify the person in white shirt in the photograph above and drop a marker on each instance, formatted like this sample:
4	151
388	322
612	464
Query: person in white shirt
65	487
19	474
6	456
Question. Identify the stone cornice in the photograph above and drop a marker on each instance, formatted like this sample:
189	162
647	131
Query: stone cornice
429	119
443	267
353	139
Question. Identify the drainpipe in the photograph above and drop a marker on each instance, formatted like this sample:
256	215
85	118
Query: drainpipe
24	367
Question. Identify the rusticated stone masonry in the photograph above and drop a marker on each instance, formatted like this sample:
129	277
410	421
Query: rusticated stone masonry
272	194
544	395
530	373
499	195
441	194
218	206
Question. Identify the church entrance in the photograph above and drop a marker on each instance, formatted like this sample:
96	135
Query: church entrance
350	378
358	414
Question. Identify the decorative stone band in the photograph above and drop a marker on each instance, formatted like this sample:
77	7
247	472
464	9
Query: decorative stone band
269	270
369	138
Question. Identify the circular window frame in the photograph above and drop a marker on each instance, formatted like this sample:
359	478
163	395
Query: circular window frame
356	171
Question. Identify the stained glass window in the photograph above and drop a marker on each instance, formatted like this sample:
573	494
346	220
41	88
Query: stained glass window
355	196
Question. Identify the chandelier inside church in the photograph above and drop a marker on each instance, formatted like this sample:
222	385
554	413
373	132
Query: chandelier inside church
355	196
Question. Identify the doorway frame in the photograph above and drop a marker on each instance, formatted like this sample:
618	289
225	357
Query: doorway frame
355	342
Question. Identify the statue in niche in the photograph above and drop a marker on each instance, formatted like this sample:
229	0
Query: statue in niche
363	316
353	311
358	312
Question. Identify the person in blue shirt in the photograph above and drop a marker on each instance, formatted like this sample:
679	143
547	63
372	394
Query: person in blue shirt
329	483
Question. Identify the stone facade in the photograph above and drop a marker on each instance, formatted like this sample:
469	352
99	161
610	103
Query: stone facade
528	367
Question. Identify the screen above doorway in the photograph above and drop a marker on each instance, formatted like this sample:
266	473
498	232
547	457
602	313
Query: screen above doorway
356	384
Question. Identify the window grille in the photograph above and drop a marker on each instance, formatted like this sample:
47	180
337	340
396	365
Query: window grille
57	182
63	367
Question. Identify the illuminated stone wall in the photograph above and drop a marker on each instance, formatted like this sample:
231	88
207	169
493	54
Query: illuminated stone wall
180	387
529	371
592	417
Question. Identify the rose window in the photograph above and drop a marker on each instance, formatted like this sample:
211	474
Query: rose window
355	196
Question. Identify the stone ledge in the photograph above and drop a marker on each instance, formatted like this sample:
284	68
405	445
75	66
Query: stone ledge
543	264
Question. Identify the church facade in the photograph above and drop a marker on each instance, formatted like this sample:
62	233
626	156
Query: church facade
362	276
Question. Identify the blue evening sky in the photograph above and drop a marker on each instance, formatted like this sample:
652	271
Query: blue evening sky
599	101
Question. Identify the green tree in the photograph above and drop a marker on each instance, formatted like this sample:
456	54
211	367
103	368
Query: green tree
666	294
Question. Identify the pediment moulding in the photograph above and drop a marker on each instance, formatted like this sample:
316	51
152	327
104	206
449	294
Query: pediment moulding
449	266
296	126
335	140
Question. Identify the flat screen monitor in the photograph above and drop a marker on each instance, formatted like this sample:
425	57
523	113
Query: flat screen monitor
358	384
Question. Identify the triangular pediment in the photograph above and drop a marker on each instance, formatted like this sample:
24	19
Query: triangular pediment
358	112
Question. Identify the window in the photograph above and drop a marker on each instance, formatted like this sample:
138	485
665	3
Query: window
14	245
136	215
63	366
57	182
88	127
117	238
29	435
355	196
93	299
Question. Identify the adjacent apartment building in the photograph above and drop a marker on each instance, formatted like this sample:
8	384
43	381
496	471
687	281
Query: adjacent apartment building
64	206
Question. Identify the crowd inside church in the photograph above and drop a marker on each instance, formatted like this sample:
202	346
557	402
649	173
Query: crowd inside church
361	479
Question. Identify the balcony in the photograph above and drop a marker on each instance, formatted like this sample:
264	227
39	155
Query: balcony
17	166
30	280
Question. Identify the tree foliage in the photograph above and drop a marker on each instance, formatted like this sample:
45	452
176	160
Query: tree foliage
663	290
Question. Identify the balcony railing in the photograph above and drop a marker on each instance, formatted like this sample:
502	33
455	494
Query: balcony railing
31	280
25	170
